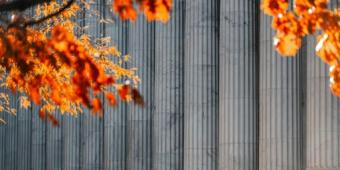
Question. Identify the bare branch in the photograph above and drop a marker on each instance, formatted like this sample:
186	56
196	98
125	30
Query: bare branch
20	5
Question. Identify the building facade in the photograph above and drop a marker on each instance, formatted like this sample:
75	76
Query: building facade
218	97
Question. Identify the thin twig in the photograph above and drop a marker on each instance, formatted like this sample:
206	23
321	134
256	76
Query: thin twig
66	6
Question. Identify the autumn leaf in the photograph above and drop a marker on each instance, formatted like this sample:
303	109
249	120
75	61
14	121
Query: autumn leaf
24	102
157	9
137	97
111	98
307	17
96	106
59	70
42	114
53	120
274	7
125	9
152	9
287	44
34	94
328	48
124	92
334	74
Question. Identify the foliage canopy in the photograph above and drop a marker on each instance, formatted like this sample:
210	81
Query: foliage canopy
308	17
44	61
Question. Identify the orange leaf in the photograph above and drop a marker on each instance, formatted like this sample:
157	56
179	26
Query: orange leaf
334	73
328	48
53	120
42	114
112	99
274	7
34	94
287	44
123	92
56	97
96	105
125	9
157	9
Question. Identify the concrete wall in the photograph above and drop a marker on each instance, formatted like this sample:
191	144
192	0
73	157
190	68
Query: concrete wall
281	112
218	97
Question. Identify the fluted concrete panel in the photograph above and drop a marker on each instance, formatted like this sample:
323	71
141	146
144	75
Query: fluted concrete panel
71	125
71	142
2	141
91	136
92	127
38	141
11	139
238	88
201	85
24	133
115	117
169	92
24	123
281	116
323	119
139	120
54	142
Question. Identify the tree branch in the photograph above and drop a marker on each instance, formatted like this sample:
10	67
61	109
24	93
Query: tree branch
33	22
20	5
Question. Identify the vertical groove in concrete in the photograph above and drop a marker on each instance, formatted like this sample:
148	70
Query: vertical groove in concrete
322	112
71	143
201	85
24	144
237	119
54	144
115	117
3	116
72	125
91	151
280	106
11	140
39	155
323	119
24	136
139	125
169	94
